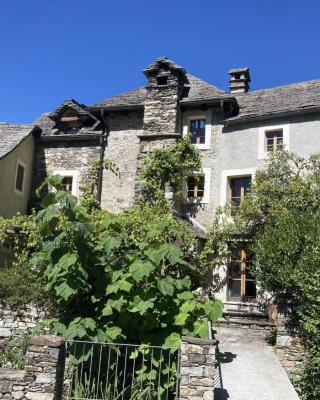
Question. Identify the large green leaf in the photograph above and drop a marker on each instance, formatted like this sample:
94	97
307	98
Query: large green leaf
201	328
141	269
165	286
65	291
213	309
173	341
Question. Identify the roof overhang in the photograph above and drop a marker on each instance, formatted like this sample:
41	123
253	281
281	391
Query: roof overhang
280	114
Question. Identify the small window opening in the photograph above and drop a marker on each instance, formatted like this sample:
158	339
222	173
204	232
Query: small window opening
67	182
162	80
196	186
20	178
237	76
70	124
198	131
274	140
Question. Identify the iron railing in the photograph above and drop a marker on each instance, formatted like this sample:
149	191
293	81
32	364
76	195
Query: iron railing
108	371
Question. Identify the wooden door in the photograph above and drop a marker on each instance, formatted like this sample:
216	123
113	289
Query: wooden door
241	284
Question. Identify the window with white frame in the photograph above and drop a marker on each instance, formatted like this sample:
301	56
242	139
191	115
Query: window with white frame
20	177
198	126
69	181
273	138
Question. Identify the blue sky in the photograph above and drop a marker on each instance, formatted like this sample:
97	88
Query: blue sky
93	49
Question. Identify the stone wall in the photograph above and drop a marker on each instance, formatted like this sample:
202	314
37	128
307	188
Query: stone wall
289	347
18	321
197	369
42	378
122	148
63	155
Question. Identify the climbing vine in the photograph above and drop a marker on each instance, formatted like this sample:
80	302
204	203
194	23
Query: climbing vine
168	166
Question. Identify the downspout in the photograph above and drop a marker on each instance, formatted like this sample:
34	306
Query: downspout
103	143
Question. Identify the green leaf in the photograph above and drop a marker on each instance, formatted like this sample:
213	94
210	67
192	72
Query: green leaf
166	287
188	306
64	291
67	260
201	329
107	310
213	309
173	341
174	254
185	296
181	319
113	332
141	269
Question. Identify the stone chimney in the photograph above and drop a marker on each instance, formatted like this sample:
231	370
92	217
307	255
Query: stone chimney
239	80
165	86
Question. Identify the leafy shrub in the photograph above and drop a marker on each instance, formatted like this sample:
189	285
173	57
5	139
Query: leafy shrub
112	283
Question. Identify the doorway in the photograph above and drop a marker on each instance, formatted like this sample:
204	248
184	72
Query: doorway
241	284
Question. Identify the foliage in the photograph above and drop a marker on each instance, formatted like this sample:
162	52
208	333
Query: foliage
168	166
282	217
13	352
112	284
19	282
90	184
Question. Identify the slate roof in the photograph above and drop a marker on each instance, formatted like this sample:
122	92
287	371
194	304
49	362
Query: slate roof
131	99
197	90
282	100
11	136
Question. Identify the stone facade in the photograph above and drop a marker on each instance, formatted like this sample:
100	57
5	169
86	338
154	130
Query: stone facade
289	346
43	376
18	321
198	363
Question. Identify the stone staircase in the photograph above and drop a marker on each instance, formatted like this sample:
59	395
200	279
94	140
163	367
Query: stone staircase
246	316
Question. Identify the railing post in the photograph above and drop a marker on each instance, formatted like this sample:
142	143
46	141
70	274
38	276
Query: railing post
197	369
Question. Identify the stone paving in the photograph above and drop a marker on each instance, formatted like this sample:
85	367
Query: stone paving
249	369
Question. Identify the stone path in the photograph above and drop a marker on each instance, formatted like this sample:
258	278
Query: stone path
249	369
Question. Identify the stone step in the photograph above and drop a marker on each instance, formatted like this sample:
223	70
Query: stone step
246	314
247	323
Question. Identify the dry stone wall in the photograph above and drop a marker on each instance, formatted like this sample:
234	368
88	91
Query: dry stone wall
289	346
18	321
197	369
42	378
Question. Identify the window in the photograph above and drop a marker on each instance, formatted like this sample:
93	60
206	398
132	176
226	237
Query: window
162	80
67	183
274	140
19	183
198	131
196	186
70	124
238	189
70	179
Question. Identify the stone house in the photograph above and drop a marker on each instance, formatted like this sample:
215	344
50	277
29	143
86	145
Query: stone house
234	132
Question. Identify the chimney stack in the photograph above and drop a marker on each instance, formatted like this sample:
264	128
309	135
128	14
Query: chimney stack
239	80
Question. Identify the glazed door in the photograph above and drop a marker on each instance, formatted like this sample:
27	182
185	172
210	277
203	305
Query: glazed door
241	284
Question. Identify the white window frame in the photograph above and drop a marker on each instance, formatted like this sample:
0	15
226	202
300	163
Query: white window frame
23	165
69	172
228	174
192	115
206	191
262	150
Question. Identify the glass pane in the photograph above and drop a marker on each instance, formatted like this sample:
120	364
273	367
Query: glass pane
235	288
251	290
235	269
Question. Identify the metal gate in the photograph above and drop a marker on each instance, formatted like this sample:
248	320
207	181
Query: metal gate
109	371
